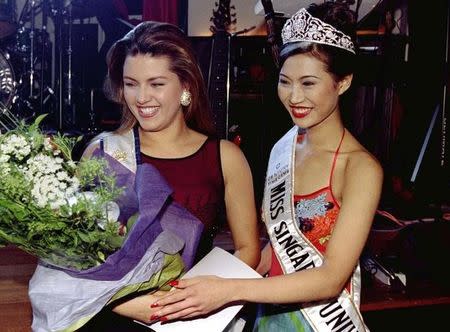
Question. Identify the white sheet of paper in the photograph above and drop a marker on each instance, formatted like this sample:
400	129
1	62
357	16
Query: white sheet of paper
220	263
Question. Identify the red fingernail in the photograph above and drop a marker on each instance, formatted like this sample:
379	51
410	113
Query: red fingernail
154	305
154	317
163	319
173	283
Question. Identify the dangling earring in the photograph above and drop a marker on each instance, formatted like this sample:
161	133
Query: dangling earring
185	99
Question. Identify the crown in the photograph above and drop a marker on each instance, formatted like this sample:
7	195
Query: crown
304	27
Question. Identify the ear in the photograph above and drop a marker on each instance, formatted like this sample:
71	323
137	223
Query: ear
344	84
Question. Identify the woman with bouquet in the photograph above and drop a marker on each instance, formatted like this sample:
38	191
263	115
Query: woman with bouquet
154	75
322	190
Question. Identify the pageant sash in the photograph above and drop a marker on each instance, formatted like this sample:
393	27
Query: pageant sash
294	251
122	147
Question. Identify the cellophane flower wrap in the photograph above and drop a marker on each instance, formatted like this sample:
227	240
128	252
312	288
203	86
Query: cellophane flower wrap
100	231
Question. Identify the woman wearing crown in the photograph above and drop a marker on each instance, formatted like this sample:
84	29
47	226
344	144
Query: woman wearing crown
322	190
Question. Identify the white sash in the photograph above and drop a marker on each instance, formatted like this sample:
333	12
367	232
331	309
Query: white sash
293	249
122	148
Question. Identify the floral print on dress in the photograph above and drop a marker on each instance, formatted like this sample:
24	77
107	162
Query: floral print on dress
315	217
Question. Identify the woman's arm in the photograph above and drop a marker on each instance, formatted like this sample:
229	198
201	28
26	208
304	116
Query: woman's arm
360	197
240	203
139	308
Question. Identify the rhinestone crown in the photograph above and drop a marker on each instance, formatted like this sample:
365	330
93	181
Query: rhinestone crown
304	27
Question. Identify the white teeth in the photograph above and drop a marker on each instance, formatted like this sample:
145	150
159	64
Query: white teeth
301	110
149	110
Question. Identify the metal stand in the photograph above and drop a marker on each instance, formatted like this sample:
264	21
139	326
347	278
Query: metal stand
58	20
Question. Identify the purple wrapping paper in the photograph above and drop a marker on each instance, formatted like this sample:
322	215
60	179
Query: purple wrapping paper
147	192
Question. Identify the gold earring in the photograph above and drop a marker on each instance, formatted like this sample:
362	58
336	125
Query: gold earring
185	98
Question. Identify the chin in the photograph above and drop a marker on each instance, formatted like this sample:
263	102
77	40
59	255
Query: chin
147	127
300	123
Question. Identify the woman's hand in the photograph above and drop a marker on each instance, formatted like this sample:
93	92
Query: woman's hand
140	308
194	297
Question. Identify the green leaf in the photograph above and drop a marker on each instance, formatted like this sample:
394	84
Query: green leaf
115	241
131	221
101	256
37	122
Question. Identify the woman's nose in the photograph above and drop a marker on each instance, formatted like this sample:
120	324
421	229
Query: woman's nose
143	95
297	95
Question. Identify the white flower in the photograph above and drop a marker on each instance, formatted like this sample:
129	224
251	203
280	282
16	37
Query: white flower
4	158
62	175
5	169
52	189
47	144
44	164
16	146
71	164
57	203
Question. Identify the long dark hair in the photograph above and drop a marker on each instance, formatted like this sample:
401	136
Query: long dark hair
160	39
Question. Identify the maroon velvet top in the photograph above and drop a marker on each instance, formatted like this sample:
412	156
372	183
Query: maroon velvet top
198	185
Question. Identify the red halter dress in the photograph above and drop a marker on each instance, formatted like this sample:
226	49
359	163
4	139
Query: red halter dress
315	215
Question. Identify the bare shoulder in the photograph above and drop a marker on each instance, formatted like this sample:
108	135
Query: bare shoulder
233	159
363	165
229	148
231	153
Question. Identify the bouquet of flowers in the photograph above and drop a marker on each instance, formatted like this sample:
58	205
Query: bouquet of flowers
42	203
100	231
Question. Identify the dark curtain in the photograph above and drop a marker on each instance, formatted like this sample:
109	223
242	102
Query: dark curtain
160	10
170	11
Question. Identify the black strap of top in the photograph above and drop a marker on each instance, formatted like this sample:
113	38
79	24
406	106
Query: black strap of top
137	145
102	146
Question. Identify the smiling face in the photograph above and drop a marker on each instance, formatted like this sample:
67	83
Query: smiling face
152	92
308	91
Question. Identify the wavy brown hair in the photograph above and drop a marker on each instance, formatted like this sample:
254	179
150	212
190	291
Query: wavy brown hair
160	39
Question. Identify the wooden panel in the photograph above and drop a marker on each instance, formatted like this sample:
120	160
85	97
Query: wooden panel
16	269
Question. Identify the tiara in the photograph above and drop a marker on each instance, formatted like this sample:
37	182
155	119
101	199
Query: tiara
304	27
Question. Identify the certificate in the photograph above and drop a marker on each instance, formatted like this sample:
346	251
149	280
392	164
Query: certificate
220	263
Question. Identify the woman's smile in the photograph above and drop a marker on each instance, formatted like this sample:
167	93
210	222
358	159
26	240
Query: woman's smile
300	112
148	112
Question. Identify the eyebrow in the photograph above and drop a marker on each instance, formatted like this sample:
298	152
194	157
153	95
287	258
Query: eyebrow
303	77
150	79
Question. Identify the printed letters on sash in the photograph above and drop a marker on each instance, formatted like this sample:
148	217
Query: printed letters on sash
293	249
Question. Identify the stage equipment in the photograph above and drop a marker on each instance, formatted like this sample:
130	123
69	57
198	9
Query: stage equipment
63	15
219	67
29	53
34	79
273	37
8	82
75	63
